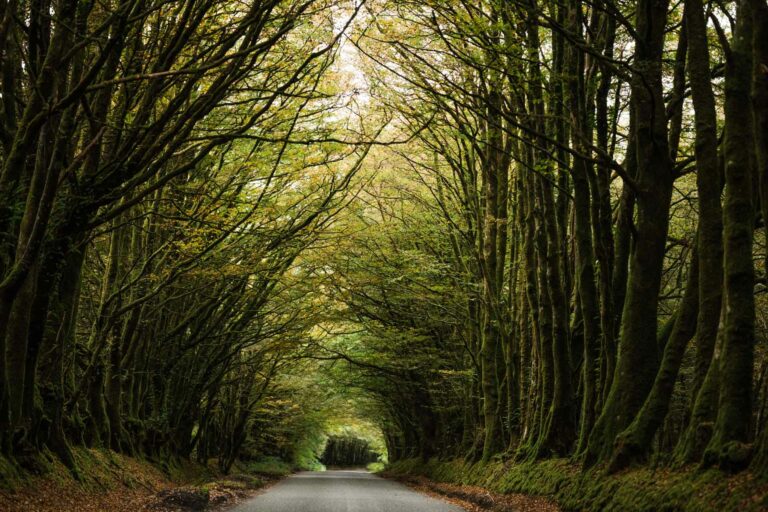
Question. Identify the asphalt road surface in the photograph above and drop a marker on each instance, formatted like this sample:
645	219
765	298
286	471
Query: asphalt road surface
342	491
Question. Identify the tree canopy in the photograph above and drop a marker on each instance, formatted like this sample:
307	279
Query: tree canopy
514	229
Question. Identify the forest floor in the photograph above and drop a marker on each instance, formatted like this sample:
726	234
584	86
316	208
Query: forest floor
116	483
562	485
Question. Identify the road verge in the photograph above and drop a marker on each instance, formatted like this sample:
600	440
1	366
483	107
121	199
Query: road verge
117	483
474	498
565	484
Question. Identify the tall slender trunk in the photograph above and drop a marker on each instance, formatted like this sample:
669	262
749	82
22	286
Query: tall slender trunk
728	446
638	354
560	428
493	163
709	185
760	109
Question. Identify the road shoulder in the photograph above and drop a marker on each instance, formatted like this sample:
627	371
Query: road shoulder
473	498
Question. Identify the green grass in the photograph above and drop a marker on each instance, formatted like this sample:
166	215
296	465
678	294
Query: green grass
641	490
269	466
376	467
10	476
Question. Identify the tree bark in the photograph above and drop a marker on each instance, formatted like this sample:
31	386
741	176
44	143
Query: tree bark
728	446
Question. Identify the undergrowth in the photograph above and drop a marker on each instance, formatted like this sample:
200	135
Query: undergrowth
641	490
269	466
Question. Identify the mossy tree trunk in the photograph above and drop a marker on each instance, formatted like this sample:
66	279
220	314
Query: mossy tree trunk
495	172
760	104
732	430
709	184
638	354
635	442
584	249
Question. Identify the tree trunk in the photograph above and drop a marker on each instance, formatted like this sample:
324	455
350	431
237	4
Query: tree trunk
728	446
638	354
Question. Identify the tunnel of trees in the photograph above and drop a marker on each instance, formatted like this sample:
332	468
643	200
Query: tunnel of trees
501	228
347	451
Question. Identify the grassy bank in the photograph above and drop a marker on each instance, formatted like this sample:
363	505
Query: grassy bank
644	489
115	482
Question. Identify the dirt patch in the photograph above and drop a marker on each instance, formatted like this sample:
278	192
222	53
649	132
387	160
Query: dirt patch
182	498
478	499
218	495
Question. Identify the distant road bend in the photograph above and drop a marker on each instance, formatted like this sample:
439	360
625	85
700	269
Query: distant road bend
342	491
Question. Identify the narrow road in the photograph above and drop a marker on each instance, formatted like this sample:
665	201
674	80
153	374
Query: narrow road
342	491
